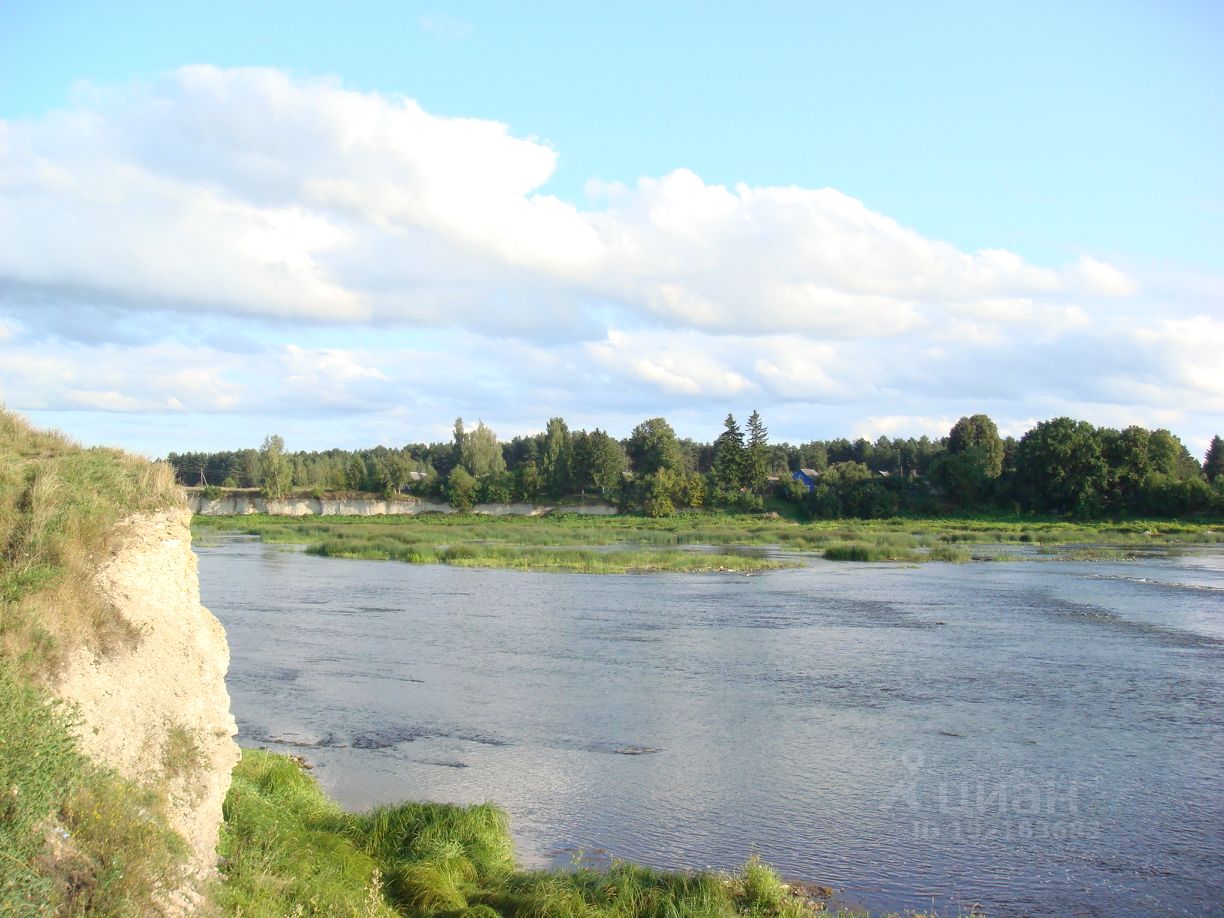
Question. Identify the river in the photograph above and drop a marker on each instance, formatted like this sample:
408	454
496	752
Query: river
1037	738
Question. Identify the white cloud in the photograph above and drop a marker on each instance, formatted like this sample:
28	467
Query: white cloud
174	229
903	426
1099	278
1189	352
249	192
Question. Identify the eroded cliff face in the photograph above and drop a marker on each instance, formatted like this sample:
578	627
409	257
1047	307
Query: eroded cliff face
242	503
158	712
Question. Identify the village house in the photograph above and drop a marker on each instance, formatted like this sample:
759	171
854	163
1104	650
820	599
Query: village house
807	478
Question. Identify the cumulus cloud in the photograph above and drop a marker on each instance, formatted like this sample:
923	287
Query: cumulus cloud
1188	352
901	425
162	243
249	192
1100	278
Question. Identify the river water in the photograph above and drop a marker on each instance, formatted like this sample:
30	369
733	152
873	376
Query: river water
1036	738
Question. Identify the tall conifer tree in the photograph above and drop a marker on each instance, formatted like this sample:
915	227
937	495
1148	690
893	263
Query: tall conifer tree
728	470
756	460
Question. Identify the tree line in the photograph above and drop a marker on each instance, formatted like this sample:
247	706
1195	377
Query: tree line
1060	466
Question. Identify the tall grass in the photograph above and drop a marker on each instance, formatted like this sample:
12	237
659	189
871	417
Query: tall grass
58	503
715	528
531	558
284	852
288	849
75	838
866	551
626	544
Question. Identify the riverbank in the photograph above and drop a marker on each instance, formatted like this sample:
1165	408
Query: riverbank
288	849
706	542
248	501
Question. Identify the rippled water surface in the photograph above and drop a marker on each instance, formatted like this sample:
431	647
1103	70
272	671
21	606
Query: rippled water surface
1040	738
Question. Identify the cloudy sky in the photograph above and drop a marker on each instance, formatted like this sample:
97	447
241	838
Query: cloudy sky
350	224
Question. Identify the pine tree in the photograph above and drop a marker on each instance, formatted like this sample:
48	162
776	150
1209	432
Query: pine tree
756	464
1213	463
728	469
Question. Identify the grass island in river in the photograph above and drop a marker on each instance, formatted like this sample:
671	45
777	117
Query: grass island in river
629	544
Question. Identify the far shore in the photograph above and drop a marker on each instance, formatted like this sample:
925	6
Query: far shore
709	542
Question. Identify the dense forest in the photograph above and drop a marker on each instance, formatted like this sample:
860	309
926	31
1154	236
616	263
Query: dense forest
1060	466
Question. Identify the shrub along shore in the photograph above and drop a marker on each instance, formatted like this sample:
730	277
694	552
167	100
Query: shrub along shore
705	542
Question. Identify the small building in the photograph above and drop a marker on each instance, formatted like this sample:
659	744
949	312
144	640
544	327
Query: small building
807	478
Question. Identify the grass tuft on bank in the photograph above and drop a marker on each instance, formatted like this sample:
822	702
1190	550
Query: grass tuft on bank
288	849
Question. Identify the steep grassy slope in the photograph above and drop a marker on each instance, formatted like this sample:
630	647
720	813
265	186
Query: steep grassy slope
57	504
75	838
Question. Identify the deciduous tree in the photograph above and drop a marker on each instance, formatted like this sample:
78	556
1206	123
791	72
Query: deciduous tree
1059	467
978	437
275	471
558	458
480	453
461	489
652	446
607	462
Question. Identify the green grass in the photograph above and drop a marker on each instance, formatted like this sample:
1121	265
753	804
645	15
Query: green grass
866	551
532	558
289	850
632	544
75	838
182	755
58	502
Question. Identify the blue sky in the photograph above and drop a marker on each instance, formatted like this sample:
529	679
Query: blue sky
600	273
